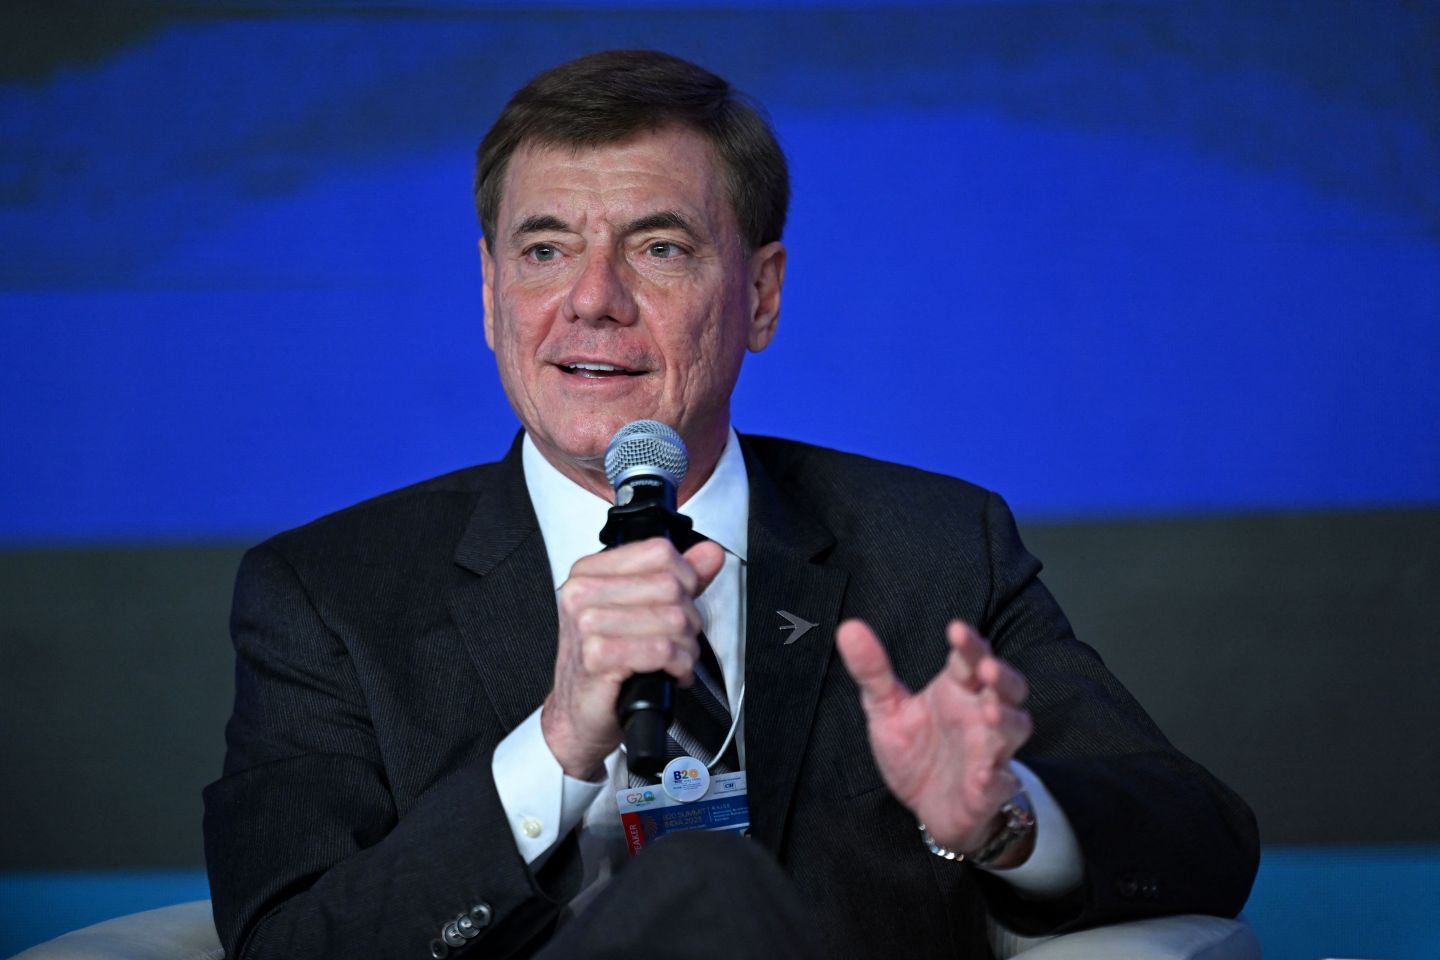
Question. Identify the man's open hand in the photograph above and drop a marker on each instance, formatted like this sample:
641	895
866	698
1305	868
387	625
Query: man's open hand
624	611
944	752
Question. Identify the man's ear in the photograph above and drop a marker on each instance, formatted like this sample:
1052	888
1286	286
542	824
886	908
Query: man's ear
767	276
487	292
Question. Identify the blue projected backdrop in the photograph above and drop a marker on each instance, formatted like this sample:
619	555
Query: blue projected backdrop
1107	259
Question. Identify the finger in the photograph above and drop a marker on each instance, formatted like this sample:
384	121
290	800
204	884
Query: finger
636	589
967	649
643	556
679	621
868	664
957	668
706	558
621	657
1004	679
967	641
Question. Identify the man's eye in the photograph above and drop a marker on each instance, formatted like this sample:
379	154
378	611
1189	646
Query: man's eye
542	252
664	250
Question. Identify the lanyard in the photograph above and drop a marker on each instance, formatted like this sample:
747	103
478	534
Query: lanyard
734	725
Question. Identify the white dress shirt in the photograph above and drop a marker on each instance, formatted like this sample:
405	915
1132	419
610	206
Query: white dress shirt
543	804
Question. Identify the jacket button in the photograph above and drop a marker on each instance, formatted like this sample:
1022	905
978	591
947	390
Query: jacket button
1127	887
451	935
439	950
481	914
466	926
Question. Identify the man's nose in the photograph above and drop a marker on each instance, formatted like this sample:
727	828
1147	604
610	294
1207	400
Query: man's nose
601	291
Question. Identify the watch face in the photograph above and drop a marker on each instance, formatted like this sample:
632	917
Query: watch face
1018	813
1019	821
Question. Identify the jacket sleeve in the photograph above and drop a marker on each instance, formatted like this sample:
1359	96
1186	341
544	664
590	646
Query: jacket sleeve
1158	833
306	853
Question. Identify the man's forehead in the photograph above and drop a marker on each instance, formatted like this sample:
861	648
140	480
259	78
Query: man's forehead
670	168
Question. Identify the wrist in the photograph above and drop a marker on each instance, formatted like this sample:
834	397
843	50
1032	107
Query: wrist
575	761
1008	841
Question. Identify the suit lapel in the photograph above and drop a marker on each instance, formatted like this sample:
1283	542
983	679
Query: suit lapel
506	612
782	681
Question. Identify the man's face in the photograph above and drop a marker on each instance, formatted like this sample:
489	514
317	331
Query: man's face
619	289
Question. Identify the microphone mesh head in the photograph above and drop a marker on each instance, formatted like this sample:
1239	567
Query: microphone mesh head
646	443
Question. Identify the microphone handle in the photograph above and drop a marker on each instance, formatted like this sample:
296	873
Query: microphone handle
645	708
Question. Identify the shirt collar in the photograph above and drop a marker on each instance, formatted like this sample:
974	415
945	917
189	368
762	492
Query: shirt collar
571	517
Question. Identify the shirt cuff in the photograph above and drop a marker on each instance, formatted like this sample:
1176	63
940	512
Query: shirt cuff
1055	866
541	803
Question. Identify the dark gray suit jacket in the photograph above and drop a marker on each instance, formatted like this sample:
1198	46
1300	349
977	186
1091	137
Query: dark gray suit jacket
385	650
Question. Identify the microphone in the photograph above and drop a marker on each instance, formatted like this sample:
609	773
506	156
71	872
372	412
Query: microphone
645	462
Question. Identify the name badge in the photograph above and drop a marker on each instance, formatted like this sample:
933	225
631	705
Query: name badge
648	813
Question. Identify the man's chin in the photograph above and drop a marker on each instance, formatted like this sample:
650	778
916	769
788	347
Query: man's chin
589	439
583	447
591	461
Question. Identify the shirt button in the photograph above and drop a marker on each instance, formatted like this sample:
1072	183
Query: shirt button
530	827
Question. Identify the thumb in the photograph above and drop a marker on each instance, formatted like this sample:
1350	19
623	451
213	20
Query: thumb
869	666
706	557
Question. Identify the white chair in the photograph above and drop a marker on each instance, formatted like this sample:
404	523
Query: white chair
1189	937
186	932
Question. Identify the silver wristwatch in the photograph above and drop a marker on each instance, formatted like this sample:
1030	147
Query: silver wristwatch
1018	822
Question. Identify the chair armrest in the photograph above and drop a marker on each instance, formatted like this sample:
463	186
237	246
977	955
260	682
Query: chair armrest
185	931
1189	937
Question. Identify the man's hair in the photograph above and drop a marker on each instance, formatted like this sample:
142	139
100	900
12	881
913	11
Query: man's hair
604	98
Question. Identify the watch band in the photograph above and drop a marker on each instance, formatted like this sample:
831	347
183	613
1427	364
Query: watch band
1018	823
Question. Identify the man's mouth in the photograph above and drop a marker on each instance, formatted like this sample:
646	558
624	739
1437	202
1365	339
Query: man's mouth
598	371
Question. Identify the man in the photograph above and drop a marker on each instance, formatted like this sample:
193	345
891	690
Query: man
424	751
